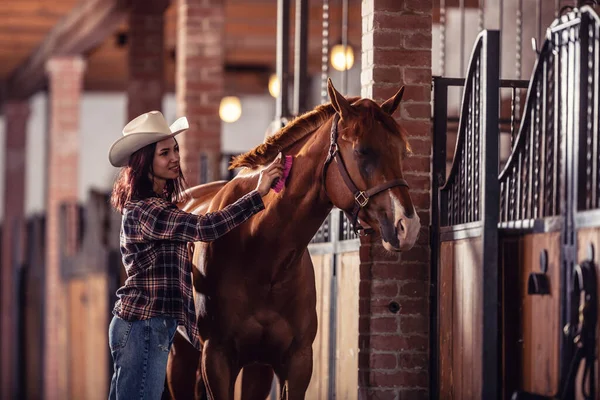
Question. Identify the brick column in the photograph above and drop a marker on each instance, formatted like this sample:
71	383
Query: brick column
16	114
199	85
65	75
145	85
394	309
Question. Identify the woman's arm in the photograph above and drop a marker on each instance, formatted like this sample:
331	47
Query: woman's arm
160	220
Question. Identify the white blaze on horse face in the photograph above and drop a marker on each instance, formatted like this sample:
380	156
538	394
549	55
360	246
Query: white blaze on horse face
407	229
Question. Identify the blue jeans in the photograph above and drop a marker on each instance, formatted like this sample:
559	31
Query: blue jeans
139	351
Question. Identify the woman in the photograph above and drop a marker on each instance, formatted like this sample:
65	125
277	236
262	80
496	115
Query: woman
157	295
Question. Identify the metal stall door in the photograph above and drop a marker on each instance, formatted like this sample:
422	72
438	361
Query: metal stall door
465	247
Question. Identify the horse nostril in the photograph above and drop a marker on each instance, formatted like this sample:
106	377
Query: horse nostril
401	226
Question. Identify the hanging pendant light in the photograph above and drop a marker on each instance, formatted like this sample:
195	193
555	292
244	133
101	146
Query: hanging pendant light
274	86
230	109
342	60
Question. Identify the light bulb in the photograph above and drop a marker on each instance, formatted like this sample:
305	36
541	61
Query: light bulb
274	85
230	109
340	60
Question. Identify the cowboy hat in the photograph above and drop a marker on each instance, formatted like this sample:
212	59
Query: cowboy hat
146	129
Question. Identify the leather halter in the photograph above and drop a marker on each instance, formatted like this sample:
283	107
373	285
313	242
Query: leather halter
361	198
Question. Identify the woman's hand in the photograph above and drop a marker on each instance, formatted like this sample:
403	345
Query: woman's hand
269	175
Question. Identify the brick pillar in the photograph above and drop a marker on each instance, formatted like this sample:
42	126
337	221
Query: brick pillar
394	309
65	75
145	85
199	85
16	114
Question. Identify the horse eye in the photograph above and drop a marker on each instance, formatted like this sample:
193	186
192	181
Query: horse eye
363	152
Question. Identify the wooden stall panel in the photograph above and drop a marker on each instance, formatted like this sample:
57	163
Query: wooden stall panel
585	237
319	383
467	281
348	279
460	319
88	337
77	336
33	329
540	316
511	309
446	313
96	346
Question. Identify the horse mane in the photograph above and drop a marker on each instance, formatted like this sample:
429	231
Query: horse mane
296	130
302	126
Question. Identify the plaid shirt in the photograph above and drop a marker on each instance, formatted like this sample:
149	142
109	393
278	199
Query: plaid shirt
154	237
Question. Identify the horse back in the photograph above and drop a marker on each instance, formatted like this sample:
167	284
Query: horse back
199	197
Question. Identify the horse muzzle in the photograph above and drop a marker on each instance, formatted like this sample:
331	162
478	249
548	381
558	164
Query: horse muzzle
401	235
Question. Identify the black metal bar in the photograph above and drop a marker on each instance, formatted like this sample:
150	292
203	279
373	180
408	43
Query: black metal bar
300	57
519	44
442	37
516	83
595	153
345	45
567	82
438	160
333	326
325	51
531	164
512	197
503	186
468	160
543	172
461	183
283	46
557	127
501	121
461	5
519	188
491	387
501	28
580	193
512	116
504	83
534	155
538	19
480	21
478	133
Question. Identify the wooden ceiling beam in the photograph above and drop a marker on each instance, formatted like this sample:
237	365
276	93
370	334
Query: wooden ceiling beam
82	30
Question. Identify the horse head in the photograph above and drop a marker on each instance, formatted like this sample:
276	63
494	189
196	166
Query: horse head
368	146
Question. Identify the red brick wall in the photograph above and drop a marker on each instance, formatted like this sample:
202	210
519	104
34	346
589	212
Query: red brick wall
16	114
393	361
65	83
145	86
199	83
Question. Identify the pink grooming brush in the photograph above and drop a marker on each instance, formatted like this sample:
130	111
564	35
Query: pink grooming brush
287	166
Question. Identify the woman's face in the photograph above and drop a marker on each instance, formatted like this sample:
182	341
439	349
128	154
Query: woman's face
166	160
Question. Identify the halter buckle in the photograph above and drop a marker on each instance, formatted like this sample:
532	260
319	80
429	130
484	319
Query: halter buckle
361	199
333	149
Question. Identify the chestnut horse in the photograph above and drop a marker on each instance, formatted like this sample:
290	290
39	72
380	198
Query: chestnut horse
255	287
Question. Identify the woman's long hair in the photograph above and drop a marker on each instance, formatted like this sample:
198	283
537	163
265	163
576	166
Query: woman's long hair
135	183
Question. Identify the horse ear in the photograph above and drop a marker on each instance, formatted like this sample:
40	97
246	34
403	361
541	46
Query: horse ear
391	104
339	102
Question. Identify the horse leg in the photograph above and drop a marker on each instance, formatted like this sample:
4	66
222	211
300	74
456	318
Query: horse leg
181	369
295	375
218	372
200	388
256	382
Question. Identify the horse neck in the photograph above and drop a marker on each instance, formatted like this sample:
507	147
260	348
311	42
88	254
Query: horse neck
303	203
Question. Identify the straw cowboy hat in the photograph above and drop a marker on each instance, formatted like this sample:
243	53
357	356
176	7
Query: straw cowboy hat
146	129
